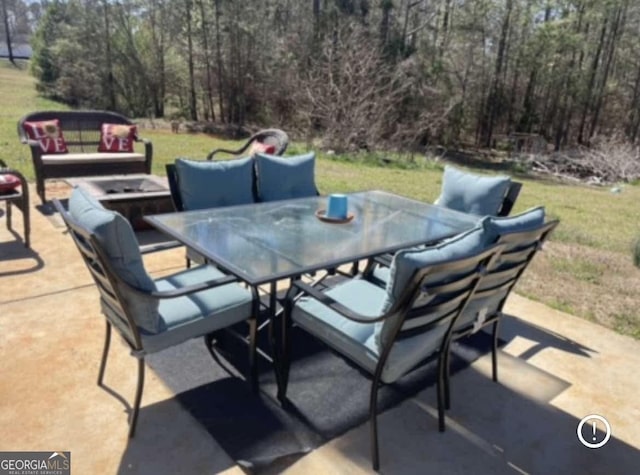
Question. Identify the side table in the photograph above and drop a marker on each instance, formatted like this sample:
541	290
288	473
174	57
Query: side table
18	197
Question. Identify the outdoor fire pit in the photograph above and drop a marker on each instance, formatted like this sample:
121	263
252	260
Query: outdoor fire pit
134	196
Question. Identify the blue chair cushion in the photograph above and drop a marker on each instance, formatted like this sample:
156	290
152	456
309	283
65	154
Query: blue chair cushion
207	184
357	340
282	178
199	313
474	194
407	262
115	235
526	221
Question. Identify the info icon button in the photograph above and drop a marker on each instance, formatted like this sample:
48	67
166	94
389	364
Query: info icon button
588	433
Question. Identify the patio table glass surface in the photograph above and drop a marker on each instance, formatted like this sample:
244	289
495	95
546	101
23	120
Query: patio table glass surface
264	242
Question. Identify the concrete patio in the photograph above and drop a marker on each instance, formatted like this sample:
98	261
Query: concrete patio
554	370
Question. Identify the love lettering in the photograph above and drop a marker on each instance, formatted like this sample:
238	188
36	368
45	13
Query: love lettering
123	143
48	144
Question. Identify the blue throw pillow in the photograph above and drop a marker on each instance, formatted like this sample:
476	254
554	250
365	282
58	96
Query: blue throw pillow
407	262
282	178
207	184
474	194
119	242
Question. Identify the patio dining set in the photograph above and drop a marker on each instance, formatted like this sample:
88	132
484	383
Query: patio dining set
386	281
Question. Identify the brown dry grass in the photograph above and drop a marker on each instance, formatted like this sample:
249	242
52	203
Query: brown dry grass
599	285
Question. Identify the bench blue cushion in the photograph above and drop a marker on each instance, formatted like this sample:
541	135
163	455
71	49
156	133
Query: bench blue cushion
474	194
282	178
207	184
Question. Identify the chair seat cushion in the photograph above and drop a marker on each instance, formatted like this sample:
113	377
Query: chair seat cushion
199	313
357	340
474	194
282	178
207	184
94	157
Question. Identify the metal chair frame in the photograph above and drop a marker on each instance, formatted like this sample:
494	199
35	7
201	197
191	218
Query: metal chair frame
519	249
451	299
108	282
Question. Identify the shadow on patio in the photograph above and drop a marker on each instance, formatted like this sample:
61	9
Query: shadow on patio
555	369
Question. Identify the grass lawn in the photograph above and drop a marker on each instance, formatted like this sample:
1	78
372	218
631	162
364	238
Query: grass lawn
587	268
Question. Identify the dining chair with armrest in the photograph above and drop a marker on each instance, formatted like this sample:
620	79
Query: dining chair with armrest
152	315
389	332
521	236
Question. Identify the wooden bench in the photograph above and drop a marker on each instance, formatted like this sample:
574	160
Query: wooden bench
81	131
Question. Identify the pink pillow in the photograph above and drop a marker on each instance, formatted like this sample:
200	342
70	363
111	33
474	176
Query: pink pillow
259	147
117	138
48	133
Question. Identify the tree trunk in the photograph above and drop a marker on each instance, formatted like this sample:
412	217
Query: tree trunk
111	93
220	65
613	40
592	79
207	62
5	15
193	109
492	107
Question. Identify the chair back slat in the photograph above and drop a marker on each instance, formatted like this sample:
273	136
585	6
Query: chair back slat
106	280
519	248
426	302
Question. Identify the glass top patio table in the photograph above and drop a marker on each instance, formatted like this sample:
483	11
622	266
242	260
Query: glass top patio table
266	242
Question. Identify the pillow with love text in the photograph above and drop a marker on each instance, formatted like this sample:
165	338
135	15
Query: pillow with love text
117	138
48	134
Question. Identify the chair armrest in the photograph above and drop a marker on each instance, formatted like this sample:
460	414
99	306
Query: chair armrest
30	142
336	306
384	260
148	152
182	291
191	289
162	246
225	150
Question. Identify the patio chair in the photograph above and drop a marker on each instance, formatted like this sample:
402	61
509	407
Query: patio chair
478	194
18	197
152	315
465	192
275	142
522	237
390	332
199	184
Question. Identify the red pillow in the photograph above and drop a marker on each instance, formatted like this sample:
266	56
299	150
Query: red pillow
259	147
49	134
117	138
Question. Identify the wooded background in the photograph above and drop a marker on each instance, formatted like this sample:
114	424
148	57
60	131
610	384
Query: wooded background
360	73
